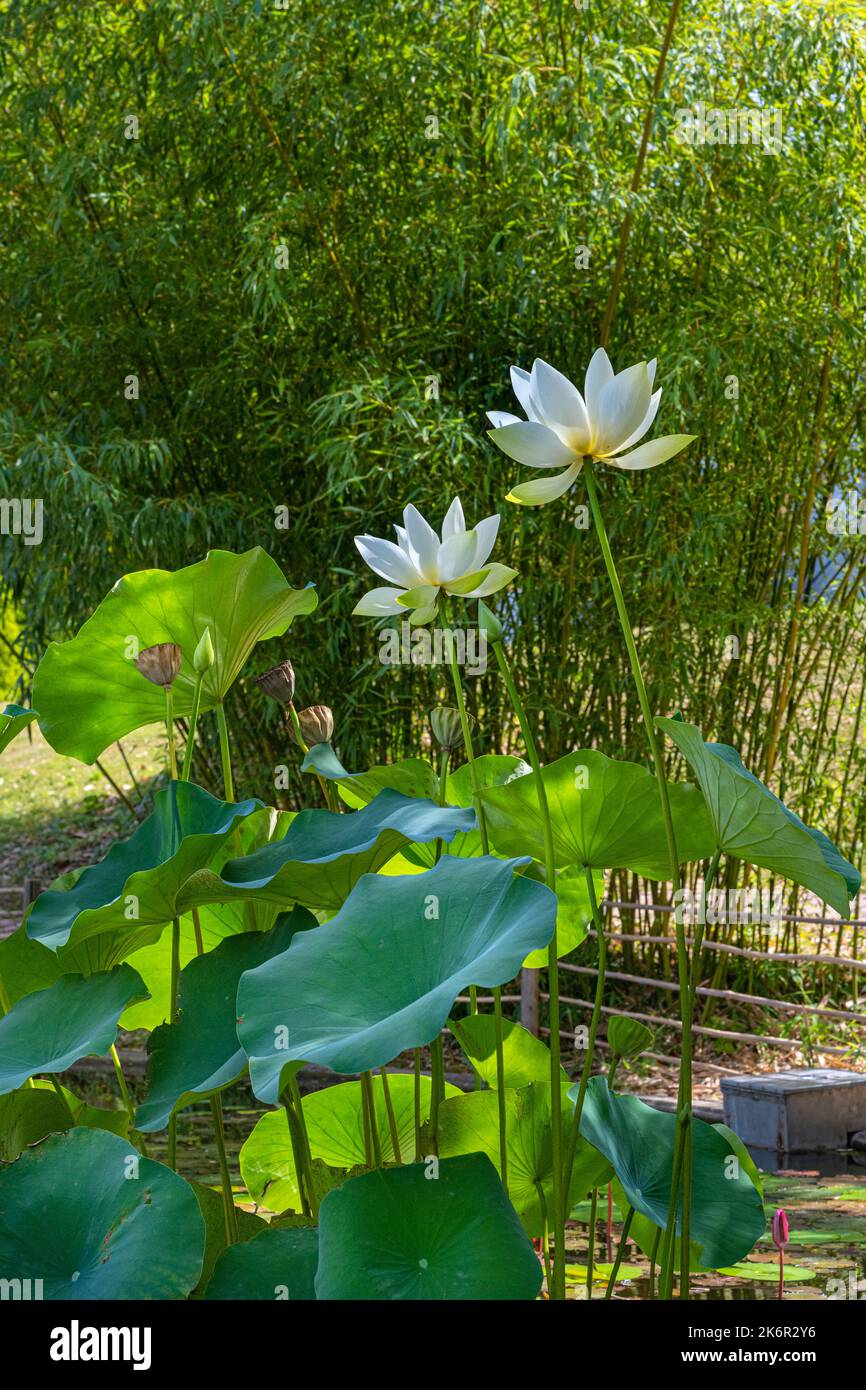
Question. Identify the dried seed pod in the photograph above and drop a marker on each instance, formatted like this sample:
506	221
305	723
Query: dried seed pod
278	683
160	664
316	724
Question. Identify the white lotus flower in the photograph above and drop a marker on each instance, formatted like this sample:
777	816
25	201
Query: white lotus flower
421	563
564	427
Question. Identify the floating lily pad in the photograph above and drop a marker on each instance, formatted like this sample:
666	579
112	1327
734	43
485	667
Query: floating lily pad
727	1211
752	824
49	1030
382	975
440	1230
751	1269
605	814
335	1128
89	691
275	1265
90	1218
200	1054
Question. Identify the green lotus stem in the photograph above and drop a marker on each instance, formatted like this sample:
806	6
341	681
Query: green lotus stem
368	1128
375	1141
127	1099
64	1098
417	1089
174	1014
611	1073
590	1252
684	1105
229	1211
653	1255
620	1252
560	1190
545	1235
694	981
193	720
5	1001
169	729
297	1151
225	753
593	1027
437	1087
305	1142
392	1118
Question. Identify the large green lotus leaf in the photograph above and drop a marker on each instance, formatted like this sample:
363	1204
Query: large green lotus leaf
89	691
414	777
727	1211
215	1244
33	1112
605	814
323	854
470	1124
752	824
200	1054
139	884
76	1016
13	718
573	913
276	1265
335	1125
26	965
89	1217
525	1058
382	975
438	1230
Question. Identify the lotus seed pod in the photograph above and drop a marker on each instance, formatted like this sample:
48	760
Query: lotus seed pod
489	623
204	654
316	724
278	683
447	730
160	664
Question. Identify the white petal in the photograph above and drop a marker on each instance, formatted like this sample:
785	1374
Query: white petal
520	386
598	374
560	405
621	406
422	543
644	424
498	418
387	560
541	490
651	369
496	578
532	443
486	532
402	539
456	555
654	452
455	522
378	602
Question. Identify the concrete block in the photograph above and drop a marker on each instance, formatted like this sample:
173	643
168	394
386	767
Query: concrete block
809	1110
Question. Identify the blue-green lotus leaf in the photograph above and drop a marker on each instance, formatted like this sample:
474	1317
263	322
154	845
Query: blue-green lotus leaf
727	1215
73	1018
470	1124
274	1265
322	855
334	1118
606	814
200	1054
89	692
444	1230
13	718
138	886
89	1218
382	975
752	824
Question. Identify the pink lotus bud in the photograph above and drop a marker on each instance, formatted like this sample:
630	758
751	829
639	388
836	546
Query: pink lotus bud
780	1229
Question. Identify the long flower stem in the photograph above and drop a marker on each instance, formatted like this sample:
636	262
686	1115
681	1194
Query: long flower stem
225	754
229	1212
593	1027
127	1100
560	1188
174	1015
193	720
297	1151
590	1250
619	1254
684	1100
370	1094
392	1119
169	729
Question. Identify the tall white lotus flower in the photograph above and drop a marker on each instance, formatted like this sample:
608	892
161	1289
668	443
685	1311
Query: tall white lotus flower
421	563
563	427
